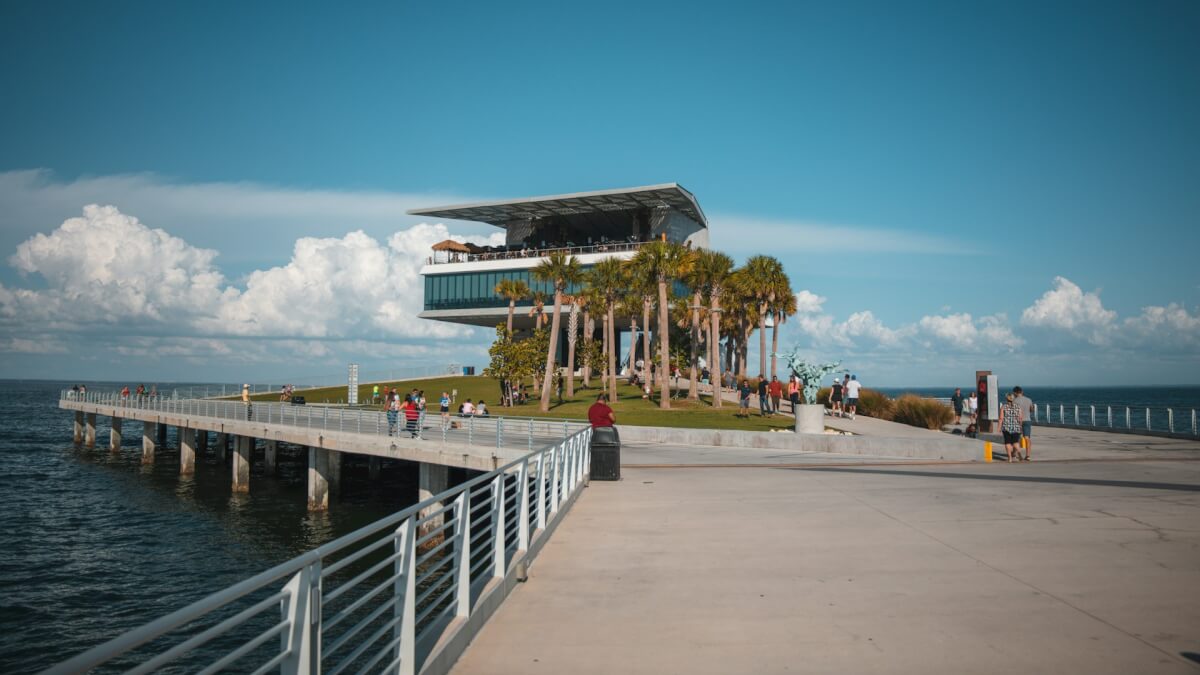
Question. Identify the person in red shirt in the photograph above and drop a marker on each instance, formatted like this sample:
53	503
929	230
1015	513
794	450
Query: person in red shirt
776	390
600	415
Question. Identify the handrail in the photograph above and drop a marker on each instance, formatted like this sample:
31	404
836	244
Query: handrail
538	252
386	607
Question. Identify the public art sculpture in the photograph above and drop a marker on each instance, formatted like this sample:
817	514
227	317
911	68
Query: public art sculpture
809	373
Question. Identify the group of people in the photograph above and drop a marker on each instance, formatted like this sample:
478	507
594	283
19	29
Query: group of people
770	395
139	392
843	396
411	406
1016	421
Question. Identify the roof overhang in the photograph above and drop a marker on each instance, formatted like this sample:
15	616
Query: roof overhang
500	213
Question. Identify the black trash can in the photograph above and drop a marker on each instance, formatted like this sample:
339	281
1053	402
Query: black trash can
297	400
606	454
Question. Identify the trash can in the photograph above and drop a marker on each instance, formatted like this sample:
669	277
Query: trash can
606	454
297	400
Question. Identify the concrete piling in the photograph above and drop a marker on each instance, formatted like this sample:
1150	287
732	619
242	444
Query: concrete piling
318	479
149	430
374	464
114	435
162	435
78	435
201	440
187	451
270	455
335	472
432	479
241	463
89	438
222	445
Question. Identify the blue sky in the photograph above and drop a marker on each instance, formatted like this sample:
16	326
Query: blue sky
911	160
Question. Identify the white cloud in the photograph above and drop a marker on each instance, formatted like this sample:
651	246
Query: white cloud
962	333
1066	308
808	302
1165	328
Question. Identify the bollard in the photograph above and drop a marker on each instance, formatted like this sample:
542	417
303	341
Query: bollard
1128	420
1147	419
1170	420
1062	419
1110	417
1093	415
1076	414
987	451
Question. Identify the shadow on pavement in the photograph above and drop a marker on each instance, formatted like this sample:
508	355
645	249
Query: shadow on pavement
1145	485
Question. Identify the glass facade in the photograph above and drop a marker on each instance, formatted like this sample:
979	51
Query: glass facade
472	290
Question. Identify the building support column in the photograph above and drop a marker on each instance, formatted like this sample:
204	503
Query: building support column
162	434
222	445
78	435
374	464
270	455
433	479
114	435
187	451
318	479
201	440
89	433
241	463
148	432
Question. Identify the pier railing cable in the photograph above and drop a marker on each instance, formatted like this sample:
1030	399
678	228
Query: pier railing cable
377	600
493	431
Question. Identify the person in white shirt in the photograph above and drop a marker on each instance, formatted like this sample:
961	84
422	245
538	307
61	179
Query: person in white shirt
852	388
481	409
468	408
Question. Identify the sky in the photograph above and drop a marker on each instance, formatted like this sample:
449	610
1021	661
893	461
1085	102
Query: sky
216	191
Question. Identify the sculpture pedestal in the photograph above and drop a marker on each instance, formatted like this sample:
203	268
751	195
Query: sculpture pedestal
810	419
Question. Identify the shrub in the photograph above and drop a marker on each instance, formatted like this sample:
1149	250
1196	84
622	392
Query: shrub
874	404
926	413
823	395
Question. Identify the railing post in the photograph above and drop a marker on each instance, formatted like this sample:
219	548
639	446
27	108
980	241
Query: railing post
499	432
404	634
1076	414
1110	417
1093	414
1170	421
554	458
462	553
498	534
523	506
1193	421
1128	419
1147	419
303	611
530	435
541	490
471	430
1062	419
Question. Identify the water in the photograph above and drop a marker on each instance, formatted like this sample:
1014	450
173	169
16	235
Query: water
93	544
1182	399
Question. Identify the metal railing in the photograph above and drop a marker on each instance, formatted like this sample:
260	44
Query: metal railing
483	431
536	252
1128	418
375	600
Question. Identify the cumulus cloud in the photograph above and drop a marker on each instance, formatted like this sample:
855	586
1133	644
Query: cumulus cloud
1067	308
1170	328
962	332
107	267
808	302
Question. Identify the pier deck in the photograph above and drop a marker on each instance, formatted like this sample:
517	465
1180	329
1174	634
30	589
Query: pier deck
1043	567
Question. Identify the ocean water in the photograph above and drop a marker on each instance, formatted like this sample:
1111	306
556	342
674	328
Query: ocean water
94	543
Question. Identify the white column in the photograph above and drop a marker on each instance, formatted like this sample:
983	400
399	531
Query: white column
187	451
432	479
148	445
241	463
270	455
89	435
78	435
114	437
318	479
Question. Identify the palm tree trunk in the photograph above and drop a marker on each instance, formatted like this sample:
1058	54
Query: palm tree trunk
664	353
548	376
714	345
612	356
774	342
512	306
633	339
693	385
762	342
730	349
572	338
646	358
603	365
587	343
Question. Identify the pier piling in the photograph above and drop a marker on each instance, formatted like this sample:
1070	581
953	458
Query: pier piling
90	431
149	430
335	472
241	463
78	435
162	434
318	479
222	445
432	479
187	451
374	464
114	435
269	455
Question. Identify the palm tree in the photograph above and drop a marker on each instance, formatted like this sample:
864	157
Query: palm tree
512	290
561	270
586	300
572	338
608	280
783	306
538	309
711	272
663	262
762	281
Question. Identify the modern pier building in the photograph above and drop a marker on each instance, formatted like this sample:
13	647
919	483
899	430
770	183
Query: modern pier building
460	283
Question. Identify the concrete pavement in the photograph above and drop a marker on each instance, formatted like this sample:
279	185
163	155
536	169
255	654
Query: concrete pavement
1046	567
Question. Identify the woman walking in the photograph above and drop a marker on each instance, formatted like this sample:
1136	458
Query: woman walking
1010	426
412	414
393	412
444	404
793	392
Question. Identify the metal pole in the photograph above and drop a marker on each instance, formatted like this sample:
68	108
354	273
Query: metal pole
1093	415
1170	420
1062	419
1076	414
1110	417
1147	419
1128	421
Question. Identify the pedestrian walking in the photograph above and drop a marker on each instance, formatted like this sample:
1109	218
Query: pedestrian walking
793	392
835	398
393	412
246	399
973	408
1025	404
444	407
775	389
744	399
956	400
851	392
764	403
412	415
1010	426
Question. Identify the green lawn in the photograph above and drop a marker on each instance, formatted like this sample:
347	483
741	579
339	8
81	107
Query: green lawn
631	408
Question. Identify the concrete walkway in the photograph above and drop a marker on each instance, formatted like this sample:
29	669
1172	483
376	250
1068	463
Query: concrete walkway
1034	568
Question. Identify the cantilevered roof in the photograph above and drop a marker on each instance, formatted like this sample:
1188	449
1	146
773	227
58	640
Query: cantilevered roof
501	213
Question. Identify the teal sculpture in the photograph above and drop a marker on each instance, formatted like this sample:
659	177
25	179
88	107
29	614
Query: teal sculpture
809	373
